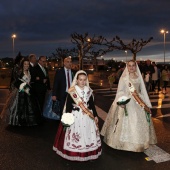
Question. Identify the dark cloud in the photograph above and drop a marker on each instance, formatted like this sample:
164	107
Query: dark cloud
43	25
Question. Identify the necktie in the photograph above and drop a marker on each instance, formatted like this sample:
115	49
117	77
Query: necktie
68	79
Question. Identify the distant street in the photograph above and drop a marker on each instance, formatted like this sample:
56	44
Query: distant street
30	148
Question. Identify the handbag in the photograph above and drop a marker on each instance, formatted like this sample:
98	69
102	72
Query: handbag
56	107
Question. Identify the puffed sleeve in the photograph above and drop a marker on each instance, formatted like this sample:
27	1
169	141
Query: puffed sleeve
92	106
69	104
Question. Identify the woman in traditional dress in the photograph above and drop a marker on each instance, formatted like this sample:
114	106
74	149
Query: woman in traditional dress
13	91
24	109
81	141
129	127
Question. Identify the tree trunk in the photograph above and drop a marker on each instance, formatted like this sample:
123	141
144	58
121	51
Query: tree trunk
80	62
134	56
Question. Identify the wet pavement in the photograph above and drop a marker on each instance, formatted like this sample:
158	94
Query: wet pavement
30	148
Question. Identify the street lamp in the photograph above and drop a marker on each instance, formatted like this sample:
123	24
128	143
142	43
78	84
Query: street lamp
164	32
13	38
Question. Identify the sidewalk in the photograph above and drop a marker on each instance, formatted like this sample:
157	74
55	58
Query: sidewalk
98	81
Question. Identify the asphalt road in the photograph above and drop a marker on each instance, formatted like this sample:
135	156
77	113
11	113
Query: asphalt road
30	148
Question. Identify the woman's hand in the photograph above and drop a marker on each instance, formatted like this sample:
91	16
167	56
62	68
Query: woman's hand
122	106
54	98
96	120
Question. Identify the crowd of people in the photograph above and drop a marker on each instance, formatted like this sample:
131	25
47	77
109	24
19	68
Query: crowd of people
154	76
128	125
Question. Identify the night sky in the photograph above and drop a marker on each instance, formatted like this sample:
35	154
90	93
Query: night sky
42	26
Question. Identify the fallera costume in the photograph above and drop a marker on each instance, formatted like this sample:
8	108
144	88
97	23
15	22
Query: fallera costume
133	132
22	108
81	141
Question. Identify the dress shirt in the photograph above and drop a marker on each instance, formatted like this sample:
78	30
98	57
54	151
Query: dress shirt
70	77
43	69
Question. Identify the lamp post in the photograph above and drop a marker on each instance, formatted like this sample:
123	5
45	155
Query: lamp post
13	38
164	32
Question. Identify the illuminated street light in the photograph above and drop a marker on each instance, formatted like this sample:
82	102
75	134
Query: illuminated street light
13	38
164	32
88	39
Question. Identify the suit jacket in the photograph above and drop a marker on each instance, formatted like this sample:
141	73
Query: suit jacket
59	87
31	69
39	85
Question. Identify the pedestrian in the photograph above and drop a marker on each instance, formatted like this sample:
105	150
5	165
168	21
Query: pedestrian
62	81
23	109
165	78
159	78
111	79
128	125
154	76
41	81
81	141
16	70
13	91
33	62
148	70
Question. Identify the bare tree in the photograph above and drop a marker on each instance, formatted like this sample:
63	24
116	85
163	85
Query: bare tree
84	44
94	55
62	53
134	46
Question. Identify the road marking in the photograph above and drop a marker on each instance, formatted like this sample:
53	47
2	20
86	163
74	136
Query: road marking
101	113
157	154
163	106
107	93
167	115
153	152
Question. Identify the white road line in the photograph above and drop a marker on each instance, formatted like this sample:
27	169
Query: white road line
155	100
167	115
157	154
163	106
154	152
101	113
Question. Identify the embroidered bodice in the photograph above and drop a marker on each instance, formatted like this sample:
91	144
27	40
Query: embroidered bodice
84	94
26	78
136	84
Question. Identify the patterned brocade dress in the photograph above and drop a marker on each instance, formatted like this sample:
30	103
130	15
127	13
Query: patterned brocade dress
132	132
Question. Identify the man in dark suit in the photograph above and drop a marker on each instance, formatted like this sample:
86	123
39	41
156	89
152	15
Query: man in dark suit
33	63
62	81
32	60
41	81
